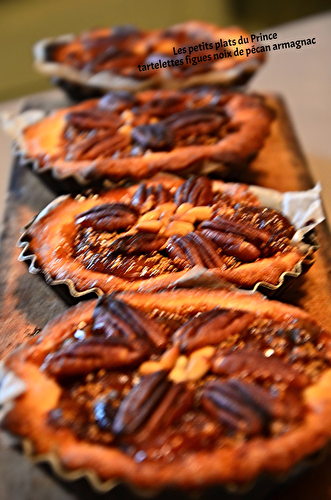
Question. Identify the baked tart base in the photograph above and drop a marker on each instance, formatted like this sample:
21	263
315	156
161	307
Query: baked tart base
163	233
236	384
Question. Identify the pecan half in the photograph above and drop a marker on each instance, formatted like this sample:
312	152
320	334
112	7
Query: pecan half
176	401
196	190
232	245
161	106
115	318
211	328
225	402
150	196
154	136
140	403
248	407
267	219
117	100
194	249
137	243
94	353
195	121
94	118
254	364
258	237
108	217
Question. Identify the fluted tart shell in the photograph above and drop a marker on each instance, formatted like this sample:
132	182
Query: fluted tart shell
44	364
122	136
159	245
107	59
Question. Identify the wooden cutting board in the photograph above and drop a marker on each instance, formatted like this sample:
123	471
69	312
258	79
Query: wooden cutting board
27	303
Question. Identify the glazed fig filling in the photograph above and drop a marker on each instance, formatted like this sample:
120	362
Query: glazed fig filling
158	384
123	48
159	233
122	125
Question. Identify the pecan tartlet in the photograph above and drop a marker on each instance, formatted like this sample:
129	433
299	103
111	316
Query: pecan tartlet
123	136
161	233
124	57
182	388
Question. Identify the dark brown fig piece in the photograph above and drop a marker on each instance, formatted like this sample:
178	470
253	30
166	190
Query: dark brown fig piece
140	403
115	318
196	190
211	328
154	136
108	217
254	364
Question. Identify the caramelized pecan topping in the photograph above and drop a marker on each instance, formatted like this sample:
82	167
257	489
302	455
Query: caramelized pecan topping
246	407
196	190
140	403
205	120
117	100
231	245
154	136
211	328
94	118
254	364
137	243
194	249
113	317
108	217
94	353
149	197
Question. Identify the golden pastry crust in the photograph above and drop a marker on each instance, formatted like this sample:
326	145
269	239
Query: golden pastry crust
171	236
109	59
233	462
123	136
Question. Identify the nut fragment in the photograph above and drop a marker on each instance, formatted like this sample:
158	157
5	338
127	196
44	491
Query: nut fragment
197	368
149	226
179	227
166	362
183	208
197	214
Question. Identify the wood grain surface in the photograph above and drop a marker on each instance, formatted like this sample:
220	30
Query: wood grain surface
27	303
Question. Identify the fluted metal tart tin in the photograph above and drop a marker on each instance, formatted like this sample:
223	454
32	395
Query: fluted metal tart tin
303	209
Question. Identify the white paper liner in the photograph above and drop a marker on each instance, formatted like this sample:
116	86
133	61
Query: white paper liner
308	209
11	387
